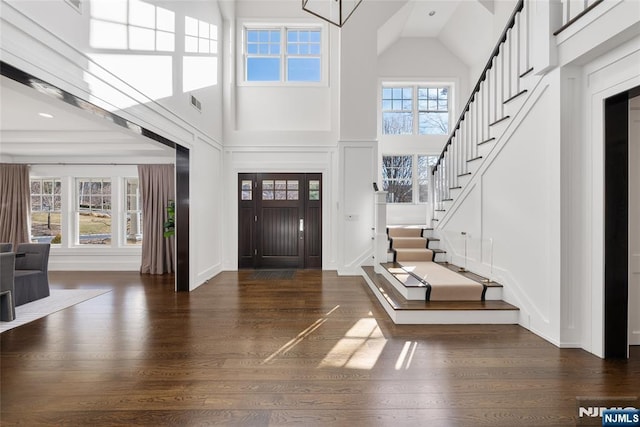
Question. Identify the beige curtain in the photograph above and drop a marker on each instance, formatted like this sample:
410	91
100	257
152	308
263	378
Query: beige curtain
15	203
157	189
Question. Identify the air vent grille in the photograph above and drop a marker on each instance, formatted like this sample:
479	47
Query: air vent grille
76	4
196	103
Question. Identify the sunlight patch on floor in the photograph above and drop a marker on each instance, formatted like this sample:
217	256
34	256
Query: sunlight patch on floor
360	347
301	336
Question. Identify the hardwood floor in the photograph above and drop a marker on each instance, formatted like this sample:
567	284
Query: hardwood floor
315	350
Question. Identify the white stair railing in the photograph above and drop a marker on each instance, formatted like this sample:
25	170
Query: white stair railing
572	10
499	84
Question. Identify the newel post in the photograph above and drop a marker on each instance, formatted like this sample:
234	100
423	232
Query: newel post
381	242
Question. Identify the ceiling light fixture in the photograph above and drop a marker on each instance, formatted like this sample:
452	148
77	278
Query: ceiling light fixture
336	12
46	115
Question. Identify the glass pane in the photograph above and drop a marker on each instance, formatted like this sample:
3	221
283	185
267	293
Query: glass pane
165	20
263	69
246	184
267	185
314	184
292	185
190	44
247	195
433	123
267	195
314	195
203	46
397	123
281	185
36	186
94	228
252	35
191	26
142	38
292	195
281	195
36	204
303	69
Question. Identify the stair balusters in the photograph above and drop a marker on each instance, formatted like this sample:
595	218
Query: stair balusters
498	83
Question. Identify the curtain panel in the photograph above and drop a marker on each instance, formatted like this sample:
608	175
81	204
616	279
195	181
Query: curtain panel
157	189
15	203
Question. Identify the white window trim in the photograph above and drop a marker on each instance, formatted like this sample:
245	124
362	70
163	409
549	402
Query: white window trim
415	187
241	55
451	83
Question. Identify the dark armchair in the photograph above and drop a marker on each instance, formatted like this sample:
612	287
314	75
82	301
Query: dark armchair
7	290
6	247
31	279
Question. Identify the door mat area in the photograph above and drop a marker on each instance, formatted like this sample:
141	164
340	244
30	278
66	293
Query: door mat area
272	275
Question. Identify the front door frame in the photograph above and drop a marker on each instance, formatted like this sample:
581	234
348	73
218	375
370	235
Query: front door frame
250	232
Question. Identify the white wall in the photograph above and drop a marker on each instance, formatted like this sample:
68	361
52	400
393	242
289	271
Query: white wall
50	40
510	210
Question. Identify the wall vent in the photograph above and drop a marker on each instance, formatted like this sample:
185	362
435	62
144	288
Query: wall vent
76	4
196	103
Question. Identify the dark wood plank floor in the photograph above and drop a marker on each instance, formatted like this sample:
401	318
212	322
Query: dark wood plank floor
315	350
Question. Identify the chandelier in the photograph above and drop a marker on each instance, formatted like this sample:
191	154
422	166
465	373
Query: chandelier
335	12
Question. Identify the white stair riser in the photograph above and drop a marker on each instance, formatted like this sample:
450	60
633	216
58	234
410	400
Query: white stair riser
451	317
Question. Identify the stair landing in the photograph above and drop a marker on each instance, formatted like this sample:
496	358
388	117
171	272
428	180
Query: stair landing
402	311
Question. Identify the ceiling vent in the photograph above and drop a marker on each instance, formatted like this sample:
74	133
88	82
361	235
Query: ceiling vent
196	103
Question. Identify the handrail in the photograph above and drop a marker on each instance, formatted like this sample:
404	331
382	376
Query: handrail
496	50
578	16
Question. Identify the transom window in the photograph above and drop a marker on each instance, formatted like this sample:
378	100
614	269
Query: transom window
283	54
415	110
132	25
200	36
280	189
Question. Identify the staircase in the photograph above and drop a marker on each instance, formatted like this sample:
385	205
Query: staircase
402	295
505	85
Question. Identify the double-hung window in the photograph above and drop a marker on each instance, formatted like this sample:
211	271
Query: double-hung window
407	178
283	54
46	210
93	211
415	109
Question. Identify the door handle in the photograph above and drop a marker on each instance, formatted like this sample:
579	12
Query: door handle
301	227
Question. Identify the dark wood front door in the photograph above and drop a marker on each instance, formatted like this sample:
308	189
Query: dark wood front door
279	220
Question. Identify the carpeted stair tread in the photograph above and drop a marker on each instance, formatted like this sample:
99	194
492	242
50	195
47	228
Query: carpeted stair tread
413	254
409	242
445	284
404	232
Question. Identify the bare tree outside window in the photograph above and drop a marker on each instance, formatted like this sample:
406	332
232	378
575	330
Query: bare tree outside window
428	115
397	178
425	163
397	110
433	110
94	211
46	210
